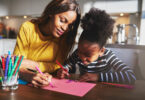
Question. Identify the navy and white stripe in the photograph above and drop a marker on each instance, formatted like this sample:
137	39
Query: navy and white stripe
108	66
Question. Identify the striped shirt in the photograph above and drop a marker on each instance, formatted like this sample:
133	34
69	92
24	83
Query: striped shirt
108	66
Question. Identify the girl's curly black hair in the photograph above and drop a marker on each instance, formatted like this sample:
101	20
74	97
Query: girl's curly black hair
97	26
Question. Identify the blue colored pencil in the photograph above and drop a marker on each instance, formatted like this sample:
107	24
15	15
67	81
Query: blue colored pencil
6	67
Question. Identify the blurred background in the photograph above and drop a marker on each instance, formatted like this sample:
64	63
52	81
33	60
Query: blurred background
129	16
128	35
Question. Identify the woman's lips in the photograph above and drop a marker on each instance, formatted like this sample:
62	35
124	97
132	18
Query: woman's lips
60	32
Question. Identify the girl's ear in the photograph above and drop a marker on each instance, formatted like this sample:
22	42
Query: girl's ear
102	51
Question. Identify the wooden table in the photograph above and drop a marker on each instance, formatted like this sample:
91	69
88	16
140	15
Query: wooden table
99	92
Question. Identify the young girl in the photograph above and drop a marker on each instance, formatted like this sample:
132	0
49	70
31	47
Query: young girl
96	63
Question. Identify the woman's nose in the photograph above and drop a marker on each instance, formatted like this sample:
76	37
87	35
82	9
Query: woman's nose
64	27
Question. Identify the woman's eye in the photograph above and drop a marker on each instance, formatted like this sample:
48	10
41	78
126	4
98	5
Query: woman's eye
63	20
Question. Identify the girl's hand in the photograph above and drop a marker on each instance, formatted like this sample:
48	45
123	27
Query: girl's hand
89	77
40	80
62	74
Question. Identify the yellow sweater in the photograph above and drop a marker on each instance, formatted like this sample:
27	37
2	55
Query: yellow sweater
34	46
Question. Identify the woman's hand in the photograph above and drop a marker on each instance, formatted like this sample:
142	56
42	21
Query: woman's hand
40	80
37	80
62	74
89	77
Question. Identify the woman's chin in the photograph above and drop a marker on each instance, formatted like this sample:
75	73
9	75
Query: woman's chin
57	35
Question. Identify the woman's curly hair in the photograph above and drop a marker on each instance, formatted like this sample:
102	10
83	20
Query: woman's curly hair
97	26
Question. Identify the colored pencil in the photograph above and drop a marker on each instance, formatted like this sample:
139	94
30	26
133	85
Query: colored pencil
62	68
3	62
39	70
6	67
2	73
13	69
34	71
119	85
50	83
10	64
18	64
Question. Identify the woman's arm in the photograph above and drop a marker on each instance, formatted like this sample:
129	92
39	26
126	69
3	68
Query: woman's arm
22	48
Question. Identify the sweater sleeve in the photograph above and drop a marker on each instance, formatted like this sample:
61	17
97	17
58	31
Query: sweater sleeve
120	72
22	43
22	48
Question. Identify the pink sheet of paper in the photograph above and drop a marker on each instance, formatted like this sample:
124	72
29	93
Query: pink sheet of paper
70	87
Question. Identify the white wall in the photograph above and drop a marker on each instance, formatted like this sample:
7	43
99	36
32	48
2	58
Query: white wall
4	7
22	7
7	45
111	6
29	7
142	29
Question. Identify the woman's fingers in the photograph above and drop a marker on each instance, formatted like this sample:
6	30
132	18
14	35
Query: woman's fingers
35	84
40	80
48	77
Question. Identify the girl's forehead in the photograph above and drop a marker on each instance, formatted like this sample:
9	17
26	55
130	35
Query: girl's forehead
88	43
88	46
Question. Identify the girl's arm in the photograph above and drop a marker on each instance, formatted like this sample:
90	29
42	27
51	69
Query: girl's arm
120	72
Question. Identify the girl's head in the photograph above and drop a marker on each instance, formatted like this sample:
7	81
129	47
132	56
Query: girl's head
97	28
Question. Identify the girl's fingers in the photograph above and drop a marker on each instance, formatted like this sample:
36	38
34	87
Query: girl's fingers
62	74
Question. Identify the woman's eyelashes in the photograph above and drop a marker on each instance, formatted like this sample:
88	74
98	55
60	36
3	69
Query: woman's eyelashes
63	20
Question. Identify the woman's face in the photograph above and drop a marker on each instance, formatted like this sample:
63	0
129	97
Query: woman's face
60	23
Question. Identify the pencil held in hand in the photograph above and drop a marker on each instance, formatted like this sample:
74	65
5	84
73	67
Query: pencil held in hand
38	70
63	68
49	79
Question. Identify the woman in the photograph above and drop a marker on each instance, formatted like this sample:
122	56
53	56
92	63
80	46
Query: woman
46	39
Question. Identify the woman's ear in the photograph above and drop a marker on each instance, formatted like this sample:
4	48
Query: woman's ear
102	51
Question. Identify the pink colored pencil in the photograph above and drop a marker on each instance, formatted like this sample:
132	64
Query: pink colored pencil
50	83
38	70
